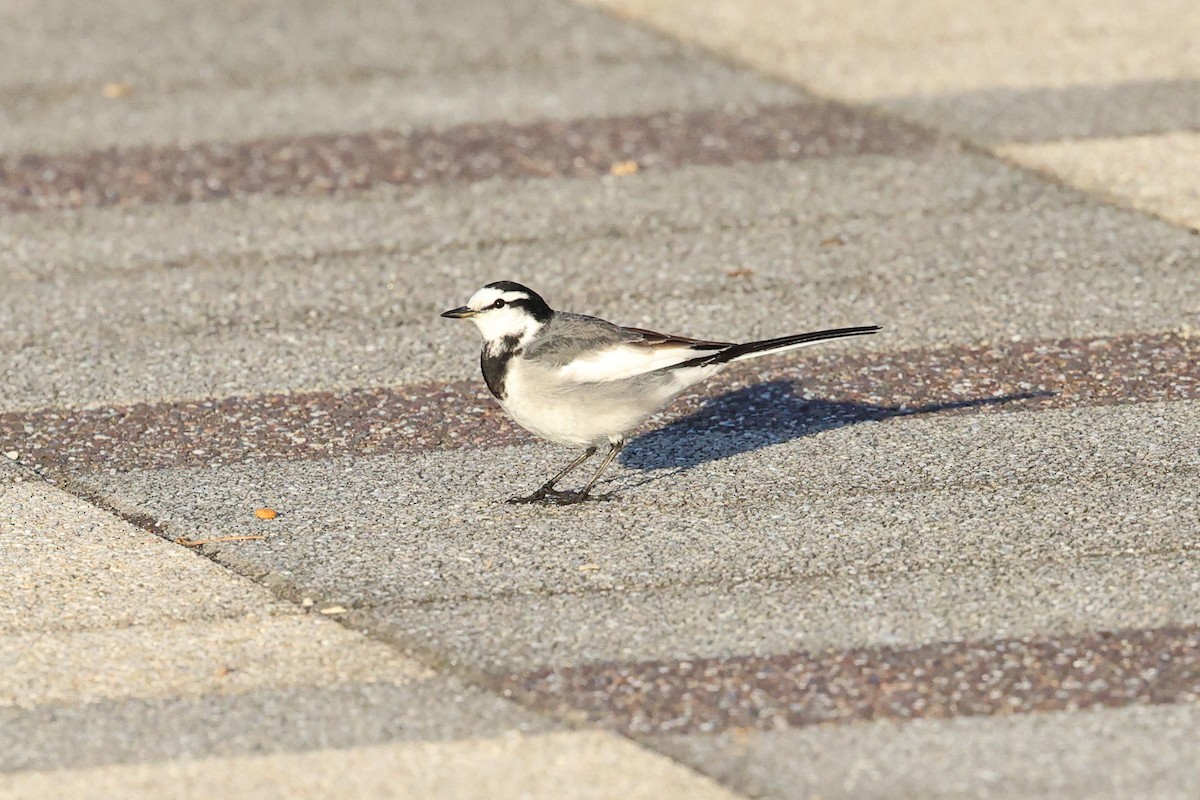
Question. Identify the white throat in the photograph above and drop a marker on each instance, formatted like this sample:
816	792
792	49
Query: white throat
506	328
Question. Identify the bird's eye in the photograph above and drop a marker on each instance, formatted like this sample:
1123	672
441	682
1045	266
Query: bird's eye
499	304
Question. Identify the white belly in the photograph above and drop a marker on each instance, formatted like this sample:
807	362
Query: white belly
580	414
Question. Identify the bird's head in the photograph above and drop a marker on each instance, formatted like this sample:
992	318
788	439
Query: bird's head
504	310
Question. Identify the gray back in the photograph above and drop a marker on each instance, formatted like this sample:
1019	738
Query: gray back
567	336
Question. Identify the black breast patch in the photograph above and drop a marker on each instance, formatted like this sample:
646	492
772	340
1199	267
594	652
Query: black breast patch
494	362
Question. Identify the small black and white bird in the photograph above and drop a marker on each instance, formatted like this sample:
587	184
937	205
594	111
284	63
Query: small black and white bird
584	382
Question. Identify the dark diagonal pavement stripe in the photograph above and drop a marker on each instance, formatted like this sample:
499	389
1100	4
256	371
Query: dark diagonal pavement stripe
323	164
836	388
954	679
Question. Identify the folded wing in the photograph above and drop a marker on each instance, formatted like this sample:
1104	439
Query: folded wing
641	351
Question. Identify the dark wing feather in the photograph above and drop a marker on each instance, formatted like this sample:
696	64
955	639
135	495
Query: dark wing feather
570	336
652	338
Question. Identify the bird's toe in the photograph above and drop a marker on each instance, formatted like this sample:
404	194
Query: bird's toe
554	497
542	495
536	497
571	498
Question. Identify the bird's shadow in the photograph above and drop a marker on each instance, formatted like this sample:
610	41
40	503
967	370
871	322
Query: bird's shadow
767	414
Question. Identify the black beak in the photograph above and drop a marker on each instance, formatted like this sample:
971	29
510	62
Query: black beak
462	312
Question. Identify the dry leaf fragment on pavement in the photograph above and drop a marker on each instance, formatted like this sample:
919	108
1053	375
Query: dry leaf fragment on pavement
115	90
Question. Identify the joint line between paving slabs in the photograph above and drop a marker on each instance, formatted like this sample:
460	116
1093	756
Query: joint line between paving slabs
360	623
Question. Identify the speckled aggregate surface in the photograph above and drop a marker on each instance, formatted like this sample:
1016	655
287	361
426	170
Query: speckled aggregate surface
872	52
957	679
274	68
1006	115
841	389
905	495
1139	750
10	471
224	657
342	162
806	245
255	540
120	647
335	715
526	632
1151	172
585	764
66	566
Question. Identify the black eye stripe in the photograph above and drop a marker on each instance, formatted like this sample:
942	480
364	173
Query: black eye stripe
531	303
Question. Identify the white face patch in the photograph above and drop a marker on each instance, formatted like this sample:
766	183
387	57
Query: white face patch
496	323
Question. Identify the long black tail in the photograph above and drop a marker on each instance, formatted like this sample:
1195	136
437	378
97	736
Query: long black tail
751	349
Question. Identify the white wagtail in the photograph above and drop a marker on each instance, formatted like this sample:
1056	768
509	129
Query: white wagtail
585	382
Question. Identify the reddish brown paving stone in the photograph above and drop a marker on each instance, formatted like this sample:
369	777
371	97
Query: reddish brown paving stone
955	679
833	389
347	162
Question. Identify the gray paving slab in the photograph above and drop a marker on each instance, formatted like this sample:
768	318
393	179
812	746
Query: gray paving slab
873	51
589	765
268	720
1067	71
65	565
815	198
945	680
323	164
1039	114
1006	257
120	647
94	122
59	43
192	659
1147	751
523	633
212	74
918	494
1152	173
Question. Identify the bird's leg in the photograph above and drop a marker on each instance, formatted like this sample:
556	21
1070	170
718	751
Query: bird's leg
608	459
547	489
567	498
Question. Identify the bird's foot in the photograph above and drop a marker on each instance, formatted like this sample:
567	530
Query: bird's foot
537	497
554	497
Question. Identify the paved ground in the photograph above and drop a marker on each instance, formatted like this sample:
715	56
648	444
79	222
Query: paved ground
956	560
